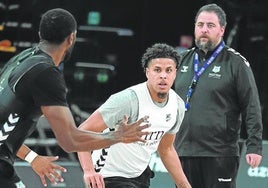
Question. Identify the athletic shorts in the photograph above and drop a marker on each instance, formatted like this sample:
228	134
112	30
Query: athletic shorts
143	181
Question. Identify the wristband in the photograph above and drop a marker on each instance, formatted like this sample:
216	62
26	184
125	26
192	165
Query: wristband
30	156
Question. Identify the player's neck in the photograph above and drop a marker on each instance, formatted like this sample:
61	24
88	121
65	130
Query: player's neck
53	50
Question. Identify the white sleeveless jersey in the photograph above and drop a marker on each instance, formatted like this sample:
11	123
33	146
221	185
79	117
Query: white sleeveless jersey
130	160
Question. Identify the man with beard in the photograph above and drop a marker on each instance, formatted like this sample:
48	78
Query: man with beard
30	85
126	165
219	90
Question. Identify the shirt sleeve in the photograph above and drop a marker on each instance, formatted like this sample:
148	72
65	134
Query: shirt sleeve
49	88
250	107
117	105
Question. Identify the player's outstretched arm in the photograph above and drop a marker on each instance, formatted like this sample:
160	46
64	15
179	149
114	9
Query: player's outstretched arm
72	139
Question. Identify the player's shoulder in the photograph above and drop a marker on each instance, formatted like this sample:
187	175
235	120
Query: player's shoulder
124	95
177	97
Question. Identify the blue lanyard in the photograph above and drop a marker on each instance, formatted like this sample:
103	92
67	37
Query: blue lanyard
198	72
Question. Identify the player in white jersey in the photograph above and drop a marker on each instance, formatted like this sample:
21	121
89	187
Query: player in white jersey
126	165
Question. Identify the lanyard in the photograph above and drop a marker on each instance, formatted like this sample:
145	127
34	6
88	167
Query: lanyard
198	72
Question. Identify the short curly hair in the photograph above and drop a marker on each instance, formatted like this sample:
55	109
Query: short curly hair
56	24
160	50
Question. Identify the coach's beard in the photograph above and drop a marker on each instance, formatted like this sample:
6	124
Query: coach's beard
205	46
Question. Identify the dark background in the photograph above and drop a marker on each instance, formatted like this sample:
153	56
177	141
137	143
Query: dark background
150	21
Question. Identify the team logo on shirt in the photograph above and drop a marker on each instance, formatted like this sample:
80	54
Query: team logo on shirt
216	69
184	69
215	72
168	117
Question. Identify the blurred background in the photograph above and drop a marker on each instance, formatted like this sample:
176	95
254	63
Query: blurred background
113	35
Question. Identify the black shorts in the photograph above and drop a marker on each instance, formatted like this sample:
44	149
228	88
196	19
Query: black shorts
8	176
143	181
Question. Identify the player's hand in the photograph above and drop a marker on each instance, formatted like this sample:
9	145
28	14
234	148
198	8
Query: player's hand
44	167
132	132
253	159
93	180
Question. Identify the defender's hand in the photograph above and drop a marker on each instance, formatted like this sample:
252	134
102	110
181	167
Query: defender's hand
132	132
44	166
